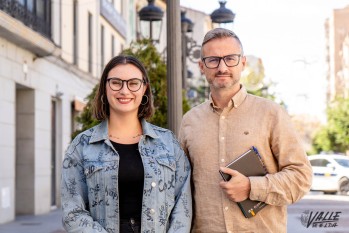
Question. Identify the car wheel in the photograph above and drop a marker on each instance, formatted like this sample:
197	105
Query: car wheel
343	186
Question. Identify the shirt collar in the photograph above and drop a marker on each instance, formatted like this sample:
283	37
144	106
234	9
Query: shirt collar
101	131
236	100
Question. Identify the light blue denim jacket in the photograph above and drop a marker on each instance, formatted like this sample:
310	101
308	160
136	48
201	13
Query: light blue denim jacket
89	187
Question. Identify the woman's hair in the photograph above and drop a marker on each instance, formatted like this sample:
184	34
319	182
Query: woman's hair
100	103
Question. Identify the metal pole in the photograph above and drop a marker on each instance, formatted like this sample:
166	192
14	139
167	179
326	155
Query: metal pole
151	31
184	61
174	69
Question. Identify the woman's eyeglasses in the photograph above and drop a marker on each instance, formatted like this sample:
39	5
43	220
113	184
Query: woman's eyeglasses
133	84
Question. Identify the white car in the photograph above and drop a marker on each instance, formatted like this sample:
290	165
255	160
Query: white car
330	173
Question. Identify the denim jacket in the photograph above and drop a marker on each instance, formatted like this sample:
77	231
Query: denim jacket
89	187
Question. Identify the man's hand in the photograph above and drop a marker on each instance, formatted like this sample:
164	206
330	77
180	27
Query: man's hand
238	187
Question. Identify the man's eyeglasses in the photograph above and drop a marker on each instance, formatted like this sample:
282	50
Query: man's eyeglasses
133	84
229	60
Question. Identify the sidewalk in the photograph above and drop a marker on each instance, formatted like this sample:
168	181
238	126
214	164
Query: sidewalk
47	223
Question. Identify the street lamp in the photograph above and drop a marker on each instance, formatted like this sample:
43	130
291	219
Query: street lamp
222	15
150	18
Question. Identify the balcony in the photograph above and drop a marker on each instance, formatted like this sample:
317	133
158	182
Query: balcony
25	29
18	11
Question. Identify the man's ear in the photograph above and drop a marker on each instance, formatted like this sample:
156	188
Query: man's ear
201	66
243	61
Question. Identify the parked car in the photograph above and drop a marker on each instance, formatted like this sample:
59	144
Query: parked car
330	173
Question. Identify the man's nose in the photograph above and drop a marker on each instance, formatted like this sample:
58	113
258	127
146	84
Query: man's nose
222	67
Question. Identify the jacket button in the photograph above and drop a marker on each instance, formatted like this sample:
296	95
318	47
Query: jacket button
153	184
152	211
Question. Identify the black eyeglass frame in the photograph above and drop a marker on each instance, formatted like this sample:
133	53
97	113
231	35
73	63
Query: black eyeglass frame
222	58
126	81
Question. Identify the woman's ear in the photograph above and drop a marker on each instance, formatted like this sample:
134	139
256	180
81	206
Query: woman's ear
146	86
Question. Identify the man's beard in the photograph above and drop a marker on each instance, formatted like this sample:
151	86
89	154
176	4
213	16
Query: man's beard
227	84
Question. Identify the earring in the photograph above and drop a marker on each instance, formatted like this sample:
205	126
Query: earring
147	100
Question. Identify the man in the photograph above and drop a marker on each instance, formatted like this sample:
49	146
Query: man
227	125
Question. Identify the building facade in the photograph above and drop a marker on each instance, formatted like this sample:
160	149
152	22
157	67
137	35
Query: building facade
195	83
51	56
337	37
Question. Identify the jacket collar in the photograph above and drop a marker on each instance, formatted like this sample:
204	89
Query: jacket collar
100	131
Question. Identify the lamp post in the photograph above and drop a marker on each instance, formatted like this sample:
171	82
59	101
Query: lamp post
222	15
174	82
151	14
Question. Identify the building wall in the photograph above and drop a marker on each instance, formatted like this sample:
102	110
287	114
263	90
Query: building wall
337	30
39	85
7	143
39	82
202	24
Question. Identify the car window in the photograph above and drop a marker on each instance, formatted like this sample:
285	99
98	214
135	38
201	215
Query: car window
343	162
319	162
315	162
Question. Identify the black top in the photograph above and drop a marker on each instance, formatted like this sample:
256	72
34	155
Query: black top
131	180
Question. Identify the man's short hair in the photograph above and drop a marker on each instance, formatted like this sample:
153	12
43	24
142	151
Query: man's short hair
220	33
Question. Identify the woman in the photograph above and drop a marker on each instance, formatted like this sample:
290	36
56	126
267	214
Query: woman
125	174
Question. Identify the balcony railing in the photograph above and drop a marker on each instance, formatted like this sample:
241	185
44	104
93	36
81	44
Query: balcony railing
28	18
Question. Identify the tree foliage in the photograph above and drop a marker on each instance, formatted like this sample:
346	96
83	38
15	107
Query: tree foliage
253	75
253	78
85	118
156	68
335	135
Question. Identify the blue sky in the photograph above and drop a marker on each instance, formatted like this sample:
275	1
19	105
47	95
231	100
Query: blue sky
289	36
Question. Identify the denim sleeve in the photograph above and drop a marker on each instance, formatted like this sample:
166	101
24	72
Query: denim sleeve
76	216
181	215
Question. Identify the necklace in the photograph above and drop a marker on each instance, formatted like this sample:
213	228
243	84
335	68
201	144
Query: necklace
133	137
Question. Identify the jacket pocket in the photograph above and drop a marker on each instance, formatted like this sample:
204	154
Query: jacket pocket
100	176
167	162
167	184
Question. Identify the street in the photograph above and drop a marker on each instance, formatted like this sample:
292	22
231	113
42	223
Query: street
334	208
311	211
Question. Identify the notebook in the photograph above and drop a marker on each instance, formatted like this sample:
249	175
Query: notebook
249	164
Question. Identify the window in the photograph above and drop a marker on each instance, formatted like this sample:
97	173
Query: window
102	47
30	5
112	46
90	42
35	14
75	33
343	162
319	162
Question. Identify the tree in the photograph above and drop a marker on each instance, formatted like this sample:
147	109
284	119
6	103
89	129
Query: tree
156	69
85	118
253	75
253	78
335	135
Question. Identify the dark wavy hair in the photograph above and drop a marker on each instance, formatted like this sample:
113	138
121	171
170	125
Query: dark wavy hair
100	103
